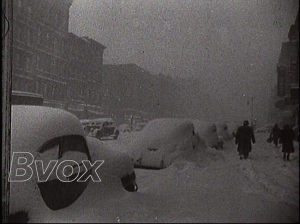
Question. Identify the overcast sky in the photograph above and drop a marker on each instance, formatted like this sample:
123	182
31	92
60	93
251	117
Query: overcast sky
233	44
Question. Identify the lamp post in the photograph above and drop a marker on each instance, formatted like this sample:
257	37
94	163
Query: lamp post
252	111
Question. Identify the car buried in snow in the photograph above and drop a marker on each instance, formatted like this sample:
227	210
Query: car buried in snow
207	132
160	142
100	127
222	130
45	134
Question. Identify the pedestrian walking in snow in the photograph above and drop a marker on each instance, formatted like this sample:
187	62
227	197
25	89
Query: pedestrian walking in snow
275	134
244	136
287	136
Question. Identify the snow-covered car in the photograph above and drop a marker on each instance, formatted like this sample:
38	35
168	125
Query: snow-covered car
222	130
100	127
207	132
232	128
161	141
139	126
124	128
220	142
53	142
116	164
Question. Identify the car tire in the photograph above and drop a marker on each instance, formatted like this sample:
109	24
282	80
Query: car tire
116	134
132	187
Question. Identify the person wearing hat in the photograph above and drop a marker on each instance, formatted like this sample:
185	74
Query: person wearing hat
244	136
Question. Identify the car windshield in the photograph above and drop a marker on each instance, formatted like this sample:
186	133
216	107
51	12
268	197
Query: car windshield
65	144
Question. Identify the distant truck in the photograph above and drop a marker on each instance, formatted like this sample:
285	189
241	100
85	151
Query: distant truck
26	98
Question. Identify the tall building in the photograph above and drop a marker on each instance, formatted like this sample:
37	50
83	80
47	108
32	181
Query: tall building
47	59
131	90
85	76
40	56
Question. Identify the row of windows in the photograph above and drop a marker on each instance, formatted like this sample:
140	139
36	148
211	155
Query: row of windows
23	33
49	64
54	91
47	40
38	10
22	60
51	41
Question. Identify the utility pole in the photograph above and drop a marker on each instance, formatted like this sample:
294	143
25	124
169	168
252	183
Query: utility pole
7	46
252	111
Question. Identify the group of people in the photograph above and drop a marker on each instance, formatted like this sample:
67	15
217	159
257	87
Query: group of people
244	138
285	137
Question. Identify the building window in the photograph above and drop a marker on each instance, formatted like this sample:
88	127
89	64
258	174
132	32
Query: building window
28	63
37	87
29	11
19	3
39	36
38	63
45	89
29	37
17	59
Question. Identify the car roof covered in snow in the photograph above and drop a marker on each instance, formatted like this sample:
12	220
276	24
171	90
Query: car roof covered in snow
31	126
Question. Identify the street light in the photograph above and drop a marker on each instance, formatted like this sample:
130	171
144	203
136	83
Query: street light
252	111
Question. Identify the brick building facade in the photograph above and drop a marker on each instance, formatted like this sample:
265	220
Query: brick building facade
40	56
47	59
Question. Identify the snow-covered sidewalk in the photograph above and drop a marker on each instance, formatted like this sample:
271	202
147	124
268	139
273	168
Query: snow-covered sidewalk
216	186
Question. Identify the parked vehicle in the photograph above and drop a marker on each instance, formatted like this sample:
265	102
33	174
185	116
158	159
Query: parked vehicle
222	130
50	134
117	164
124	128
220	142
46	134
207	132
232	128
161	141
100	127
139	126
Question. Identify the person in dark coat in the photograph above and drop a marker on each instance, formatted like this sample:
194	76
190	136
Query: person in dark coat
275	134
243	138
287	136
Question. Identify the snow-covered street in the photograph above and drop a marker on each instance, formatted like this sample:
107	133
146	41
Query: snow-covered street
216	186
